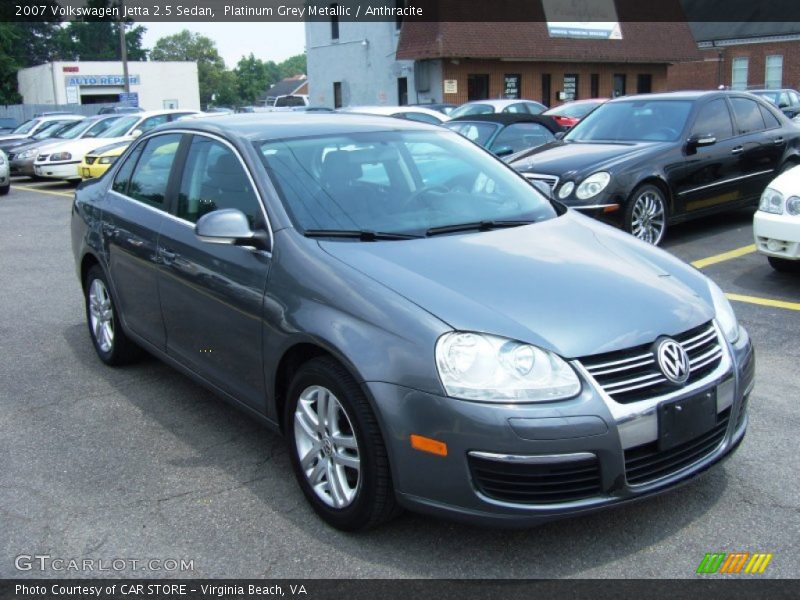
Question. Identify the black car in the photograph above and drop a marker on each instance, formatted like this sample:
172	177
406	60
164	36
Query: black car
506	133
643	162
787	100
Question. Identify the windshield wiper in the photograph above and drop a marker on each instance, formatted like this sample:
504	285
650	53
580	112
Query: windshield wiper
475	225
361	234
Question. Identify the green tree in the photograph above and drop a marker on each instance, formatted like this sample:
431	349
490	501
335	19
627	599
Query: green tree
188	46
95	40
294	65
253	77
23	45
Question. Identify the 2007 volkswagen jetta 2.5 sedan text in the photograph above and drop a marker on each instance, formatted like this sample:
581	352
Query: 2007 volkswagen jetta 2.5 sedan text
426	329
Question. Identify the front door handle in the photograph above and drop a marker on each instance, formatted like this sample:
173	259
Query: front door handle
167	256
110	230
777	141
737	150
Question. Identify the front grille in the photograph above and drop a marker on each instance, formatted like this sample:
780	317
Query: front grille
11	156
550	180
42	157
536	483
90	160
647	463
633	374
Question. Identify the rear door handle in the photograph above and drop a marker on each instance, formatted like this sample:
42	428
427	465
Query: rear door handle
737	150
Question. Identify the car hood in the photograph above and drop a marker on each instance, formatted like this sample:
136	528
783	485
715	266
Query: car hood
564	157
570	284
79	147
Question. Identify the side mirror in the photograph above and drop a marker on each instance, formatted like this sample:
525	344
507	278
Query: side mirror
503	151
700	140
560	134
136	133
229	226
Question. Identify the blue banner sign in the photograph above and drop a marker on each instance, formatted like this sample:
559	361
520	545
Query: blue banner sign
102	80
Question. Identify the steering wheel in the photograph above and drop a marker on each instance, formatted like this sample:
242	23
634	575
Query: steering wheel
415	198
670	133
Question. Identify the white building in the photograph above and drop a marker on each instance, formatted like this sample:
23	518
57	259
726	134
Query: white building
352	63
157	84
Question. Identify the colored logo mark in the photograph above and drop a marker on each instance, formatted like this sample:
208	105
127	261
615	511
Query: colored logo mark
734	563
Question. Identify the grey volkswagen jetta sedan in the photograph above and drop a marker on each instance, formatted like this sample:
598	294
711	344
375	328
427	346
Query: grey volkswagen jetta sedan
425	327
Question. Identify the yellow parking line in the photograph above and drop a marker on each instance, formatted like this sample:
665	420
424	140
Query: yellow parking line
764	301
41	191
718	258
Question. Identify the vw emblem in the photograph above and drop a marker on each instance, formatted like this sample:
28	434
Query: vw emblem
673	361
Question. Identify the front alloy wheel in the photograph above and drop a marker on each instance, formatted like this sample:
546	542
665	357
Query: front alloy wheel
646	217
327	447
101	316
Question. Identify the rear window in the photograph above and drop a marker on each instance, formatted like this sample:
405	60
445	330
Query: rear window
290	101
748	116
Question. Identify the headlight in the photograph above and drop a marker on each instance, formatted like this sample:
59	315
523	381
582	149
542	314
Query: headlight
566	190
2	159
60	156
478	366
593	185
793	206
771	202
107	160
27	154
725	316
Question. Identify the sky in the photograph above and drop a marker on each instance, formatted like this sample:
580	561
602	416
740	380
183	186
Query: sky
267	41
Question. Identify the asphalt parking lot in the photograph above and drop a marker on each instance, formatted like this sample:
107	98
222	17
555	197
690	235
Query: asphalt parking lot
141	463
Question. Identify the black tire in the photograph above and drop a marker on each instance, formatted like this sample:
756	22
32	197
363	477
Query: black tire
5	189
642	191
784	265
374	501
122	350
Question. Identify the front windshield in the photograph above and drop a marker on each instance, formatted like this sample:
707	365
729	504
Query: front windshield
26	127
100	127
51	130
120	127
472	109
404	182
633	121
78	129
474	131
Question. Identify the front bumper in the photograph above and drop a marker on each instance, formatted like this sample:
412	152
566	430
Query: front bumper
92	171
777	235
67	170
23	166
589	427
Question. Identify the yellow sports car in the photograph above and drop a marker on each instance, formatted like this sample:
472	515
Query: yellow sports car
97	161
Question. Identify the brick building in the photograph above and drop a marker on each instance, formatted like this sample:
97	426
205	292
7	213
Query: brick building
496	60
741	56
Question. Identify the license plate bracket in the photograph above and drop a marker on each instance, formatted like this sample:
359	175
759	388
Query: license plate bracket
683	420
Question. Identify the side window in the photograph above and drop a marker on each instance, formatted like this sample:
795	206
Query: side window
521	136
769	118
748	117
421	117
214	178
517	108
152	122
123	175
715	119
150	178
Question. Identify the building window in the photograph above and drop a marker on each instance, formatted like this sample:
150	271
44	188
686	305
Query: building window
644	83
595	85
619	85
334	22
337	94
402	91
739	74
398	20
773	78
477	87
546	79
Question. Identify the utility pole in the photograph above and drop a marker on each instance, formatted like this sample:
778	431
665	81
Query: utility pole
123	48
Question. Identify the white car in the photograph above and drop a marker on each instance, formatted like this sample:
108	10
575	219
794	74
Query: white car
5	177
488	107
61	160
776	225
411	113
33	126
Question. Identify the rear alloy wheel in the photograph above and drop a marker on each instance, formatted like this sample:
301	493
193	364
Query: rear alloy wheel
784	265
646	214
336	447
112	345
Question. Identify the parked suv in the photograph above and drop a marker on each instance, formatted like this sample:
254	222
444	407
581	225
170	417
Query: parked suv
426	328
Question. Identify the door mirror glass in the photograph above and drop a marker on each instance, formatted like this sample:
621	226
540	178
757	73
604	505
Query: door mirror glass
228	226
503	150
541	187
560	134
136	133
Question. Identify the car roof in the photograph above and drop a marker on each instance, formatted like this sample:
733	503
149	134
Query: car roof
290	124
509	119
502	101
390	110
